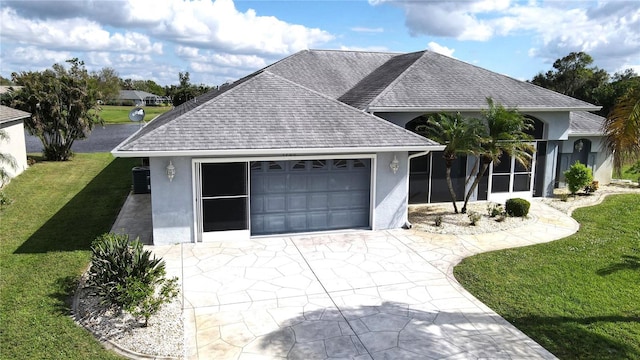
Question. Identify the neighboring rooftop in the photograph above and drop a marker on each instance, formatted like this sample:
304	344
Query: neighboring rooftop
8	114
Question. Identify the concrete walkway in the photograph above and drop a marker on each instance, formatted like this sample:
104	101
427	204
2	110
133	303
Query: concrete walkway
353	295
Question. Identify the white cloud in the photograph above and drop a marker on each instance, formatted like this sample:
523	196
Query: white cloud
220	26
36	57
608	30
440	49
71	34
367	29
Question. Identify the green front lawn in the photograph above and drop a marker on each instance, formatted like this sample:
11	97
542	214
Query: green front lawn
120	114
578	297
58	209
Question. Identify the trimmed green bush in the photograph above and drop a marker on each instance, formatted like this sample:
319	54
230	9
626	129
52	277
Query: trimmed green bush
126	276
578	177
517	207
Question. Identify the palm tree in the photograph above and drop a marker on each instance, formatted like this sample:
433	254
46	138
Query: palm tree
622	129
5	159
458	134
505	129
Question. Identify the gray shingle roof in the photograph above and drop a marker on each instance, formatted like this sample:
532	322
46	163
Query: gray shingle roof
329	72
310	100
135	95
585	123
266	111
8	114
439	82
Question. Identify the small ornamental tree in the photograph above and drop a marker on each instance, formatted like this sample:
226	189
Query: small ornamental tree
578	176
126	276
63	104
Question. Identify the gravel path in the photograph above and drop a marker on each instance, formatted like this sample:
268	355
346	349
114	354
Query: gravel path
163	338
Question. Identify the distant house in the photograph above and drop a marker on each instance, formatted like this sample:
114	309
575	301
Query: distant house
322	140
12	122
141	98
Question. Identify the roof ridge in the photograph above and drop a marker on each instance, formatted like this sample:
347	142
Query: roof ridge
397	79
356	51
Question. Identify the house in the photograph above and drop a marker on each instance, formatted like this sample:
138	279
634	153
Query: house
12	123
321	141
141	98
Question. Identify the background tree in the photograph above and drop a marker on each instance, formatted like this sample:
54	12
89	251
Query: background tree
505	136
573	76
459	135
5	82
107	82
622	129
185	91
63	106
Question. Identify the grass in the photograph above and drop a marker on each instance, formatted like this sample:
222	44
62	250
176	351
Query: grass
578	297
58	209
627	175
120	114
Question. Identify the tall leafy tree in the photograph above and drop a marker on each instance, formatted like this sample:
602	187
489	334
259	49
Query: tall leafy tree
63	104
574	76
505	137
461	136
622	129
107	83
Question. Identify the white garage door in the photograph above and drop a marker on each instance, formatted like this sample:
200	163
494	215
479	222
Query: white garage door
309	195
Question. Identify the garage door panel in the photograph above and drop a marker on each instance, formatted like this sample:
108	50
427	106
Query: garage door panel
310	195
274	223
298	222
317	182
297	202
298	182
318	221
275	203
318	201
276	183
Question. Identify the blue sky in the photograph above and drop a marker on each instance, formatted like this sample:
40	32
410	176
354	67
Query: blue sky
221	40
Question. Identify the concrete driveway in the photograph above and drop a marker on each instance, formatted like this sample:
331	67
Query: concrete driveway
358	295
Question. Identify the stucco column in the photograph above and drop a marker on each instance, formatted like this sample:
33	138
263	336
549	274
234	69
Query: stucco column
553	147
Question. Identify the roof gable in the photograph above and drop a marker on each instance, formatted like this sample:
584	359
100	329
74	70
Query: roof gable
268	112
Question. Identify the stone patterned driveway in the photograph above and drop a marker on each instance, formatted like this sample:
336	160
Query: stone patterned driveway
356	295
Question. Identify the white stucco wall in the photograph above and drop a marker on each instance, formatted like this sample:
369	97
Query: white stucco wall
14	146
603	162
391	192
171	201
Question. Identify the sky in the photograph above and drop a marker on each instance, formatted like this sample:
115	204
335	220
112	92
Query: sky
217	41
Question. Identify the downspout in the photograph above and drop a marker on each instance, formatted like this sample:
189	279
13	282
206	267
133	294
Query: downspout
407	224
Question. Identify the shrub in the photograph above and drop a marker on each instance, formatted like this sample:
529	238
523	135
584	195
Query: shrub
494	210
578	176
595	185
517	207
126	276
474	217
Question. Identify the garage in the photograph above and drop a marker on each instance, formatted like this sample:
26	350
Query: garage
309	195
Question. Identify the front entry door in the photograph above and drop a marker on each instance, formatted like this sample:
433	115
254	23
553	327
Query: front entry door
223	201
